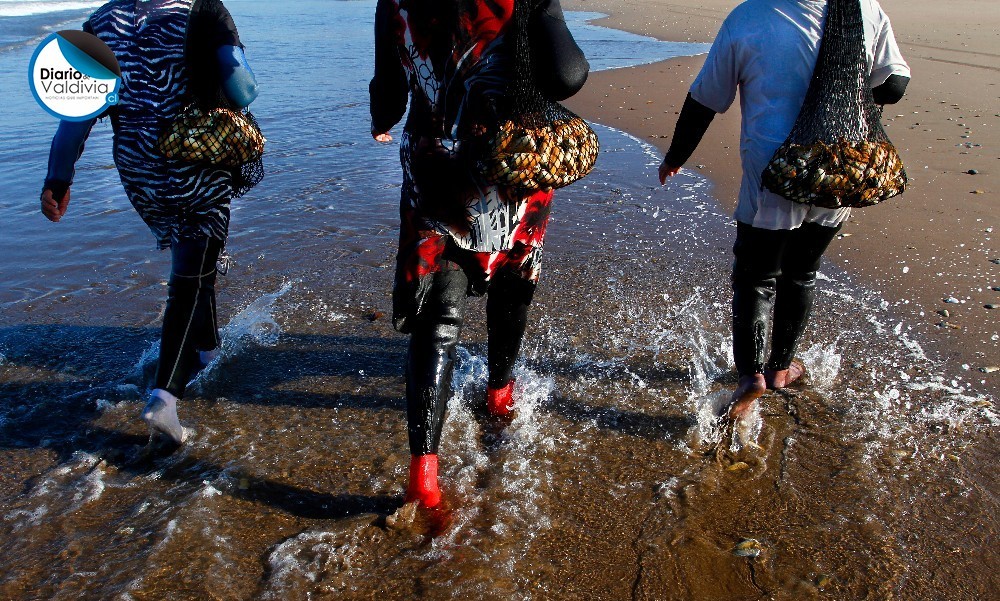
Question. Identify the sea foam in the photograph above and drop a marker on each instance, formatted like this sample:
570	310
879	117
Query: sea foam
16	8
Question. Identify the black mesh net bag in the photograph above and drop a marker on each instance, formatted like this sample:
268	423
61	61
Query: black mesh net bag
211	130
220	136
248	174
837	154
537	144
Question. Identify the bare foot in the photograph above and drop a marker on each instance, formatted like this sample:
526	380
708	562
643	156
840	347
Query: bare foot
748	390
783	378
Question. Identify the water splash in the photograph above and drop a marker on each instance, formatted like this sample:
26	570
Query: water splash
524	473
691	329
707	431
514	461
254	325
711	356
147	361
461	430
822	364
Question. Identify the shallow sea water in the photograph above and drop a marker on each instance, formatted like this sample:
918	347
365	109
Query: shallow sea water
613	481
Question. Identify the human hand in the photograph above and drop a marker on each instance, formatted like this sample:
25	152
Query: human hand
667	170
54	209
382	137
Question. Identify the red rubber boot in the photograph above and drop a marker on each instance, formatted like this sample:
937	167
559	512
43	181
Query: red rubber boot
499	401
423	487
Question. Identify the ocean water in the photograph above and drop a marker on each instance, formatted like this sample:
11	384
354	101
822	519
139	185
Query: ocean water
613	481
21	22
19	8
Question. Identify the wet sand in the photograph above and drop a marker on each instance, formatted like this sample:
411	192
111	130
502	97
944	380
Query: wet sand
936	242
612	482
943	230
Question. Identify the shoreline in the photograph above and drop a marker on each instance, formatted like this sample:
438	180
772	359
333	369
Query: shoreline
934	242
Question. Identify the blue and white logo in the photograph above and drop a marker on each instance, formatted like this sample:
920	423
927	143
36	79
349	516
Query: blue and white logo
74	76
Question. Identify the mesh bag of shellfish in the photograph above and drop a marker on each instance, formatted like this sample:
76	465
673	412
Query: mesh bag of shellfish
837	154
217	136
221	137
540	145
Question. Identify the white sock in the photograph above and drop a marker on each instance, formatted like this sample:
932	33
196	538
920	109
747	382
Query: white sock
206	357
160	413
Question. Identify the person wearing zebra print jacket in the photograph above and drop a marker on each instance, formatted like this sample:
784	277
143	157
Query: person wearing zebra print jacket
171	52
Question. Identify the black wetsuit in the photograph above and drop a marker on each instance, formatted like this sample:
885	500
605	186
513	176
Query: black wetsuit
430	297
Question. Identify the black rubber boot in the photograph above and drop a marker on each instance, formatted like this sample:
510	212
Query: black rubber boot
431	357
507	305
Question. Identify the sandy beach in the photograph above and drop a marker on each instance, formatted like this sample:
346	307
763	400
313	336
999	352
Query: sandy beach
934	242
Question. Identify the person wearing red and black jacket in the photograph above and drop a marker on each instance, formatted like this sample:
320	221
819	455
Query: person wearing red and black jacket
459	235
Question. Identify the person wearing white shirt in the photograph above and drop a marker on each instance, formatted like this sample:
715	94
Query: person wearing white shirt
766	50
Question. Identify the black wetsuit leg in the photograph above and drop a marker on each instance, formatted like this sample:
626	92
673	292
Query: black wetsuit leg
755	273
795	289
430	360
189	322
507	304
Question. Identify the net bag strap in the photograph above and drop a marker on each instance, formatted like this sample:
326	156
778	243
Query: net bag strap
839	101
